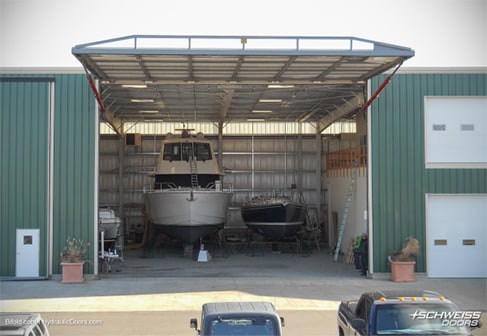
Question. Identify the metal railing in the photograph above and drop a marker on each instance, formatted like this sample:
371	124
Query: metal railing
252	45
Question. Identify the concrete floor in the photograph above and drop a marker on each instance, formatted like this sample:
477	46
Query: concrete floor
262	259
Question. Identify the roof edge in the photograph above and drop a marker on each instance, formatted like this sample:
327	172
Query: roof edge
402	70
41	70
441	70
241	45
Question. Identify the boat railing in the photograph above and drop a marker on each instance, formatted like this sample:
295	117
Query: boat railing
172	186
217	185
300	197
166	185
227	187
293	195
159	185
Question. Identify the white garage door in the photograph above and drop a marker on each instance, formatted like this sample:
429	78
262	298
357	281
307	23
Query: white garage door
456	236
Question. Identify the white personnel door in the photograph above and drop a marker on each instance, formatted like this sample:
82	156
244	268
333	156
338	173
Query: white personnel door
27	260
456	236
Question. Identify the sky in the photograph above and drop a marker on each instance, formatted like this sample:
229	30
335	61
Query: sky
443	33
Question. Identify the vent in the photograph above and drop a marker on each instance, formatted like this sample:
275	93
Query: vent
133	139
439	127
467	127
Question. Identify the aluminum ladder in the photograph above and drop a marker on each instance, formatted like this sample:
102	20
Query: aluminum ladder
194	172
348	200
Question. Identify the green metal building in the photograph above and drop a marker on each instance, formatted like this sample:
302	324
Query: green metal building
49	165
400	177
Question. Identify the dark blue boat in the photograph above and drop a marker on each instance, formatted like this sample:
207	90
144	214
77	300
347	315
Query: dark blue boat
275	216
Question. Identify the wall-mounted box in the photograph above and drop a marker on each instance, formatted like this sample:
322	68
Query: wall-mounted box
133	139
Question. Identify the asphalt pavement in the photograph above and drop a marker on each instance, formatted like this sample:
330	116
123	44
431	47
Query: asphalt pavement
157	293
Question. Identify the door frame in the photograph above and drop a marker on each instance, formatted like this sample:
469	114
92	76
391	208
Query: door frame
20	235
428	227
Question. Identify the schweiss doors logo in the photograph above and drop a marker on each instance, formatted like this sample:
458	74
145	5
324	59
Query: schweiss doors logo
450	318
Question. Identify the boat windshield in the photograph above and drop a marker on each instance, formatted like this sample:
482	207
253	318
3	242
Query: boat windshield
177	151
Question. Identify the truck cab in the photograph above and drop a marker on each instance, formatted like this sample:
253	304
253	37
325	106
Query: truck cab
238	318
22	324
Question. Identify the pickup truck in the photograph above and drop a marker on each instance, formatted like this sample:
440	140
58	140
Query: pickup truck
404	313
22	324
238	318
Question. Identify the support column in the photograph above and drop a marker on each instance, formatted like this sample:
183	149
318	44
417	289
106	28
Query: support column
220	145
319	206
299	155
121	168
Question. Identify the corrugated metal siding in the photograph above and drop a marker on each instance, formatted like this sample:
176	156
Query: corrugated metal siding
74	164
234	128
24	142
399	178
23	167
270	163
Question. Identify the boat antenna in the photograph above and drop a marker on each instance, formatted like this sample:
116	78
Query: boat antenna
185	132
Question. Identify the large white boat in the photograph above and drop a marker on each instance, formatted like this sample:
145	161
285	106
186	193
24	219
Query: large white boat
188	200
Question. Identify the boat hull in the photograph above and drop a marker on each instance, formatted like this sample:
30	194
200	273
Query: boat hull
274	221
188	215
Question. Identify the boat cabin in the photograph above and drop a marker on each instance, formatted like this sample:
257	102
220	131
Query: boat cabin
186	161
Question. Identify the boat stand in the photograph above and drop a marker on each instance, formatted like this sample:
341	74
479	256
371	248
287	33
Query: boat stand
217	240
111	250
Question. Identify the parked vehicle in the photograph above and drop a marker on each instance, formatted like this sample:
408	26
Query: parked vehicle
404	313
22	324
239	318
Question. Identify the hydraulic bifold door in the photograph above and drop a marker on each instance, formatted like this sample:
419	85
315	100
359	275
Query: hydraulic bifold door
456	236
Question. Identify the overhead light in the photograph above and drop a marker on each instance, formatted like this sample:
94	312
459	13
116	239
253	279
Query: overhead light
142	100
261	111
255	119
279	86
270	100
134	86
148	111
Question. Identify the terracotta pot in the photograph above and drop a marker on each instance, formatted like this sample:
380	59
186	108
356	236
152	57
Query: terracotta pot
402	271
72	272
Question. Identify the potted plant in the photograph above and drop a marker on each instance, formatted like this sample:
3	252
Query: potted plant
73	259
402	263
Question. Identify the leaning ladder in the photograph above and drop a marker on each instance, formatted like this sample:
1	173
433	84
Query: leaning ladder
194	172
348	200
